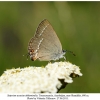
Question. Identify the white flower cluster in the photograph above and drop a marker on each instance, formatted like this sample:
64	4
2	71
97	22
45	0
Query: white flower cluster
38	79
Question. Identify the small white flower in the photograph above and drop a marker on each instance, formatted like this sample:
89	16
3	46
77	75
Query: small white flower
49	79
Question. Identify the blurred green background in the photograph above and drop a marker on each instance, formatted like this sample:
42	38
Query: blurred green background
77	25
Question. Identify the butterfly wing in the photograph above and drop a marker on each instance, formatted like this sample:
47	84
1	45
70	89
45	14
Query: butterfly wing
45	43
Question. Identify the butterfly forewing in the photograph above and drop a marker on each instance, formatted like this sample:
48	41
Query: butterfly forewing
45	42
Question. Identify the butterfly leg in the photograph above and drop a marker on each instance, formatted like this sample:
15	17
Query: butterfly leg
64	58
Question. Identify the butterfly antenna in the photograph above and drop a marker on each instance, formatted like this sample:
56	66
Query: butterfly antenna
71	52
26	55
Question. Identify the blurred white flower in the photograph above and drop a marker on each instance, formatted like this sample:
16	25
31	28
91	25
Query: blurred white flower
50	79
